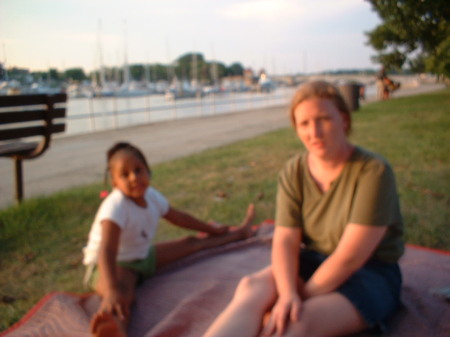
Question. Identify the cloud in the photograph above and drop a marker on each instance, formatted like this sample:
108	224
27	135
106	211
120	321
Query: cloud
262	10
280	10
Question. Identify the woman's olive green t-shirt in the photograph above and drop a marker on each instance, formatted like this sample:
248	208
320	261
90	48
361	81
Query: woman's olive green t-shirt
364	193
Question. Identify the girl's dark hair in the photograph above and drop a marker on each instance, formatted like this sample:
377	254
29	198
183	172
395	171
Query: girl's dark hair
124	146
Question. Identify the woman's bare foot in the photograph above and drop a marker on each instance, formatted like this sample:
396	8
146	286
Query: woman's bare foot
107	325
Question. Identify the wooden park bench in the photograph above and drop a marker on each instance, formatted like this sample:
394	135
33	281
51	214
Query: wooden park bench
27	123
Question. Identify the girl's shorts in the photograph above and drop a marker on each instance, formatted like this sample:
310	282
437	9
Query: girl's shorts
374	289
145	268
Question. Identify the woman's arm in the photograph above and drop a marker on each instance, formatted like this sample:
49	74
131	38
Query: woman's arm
285	252
356	246
185	220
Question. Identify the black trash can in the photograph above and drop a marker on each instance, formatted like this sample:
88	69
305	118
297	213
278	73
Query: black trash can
350	93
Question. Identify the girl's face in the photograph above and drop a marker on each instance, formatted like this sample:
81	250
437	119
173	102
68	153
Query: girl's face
130	175
321	127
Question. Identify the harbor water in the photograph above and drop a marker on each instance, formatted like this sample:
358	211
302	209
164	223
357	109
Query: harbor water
86	115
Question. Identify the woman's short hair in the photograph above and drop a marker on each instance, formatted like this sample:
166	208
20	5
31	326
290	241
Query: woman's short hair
320	89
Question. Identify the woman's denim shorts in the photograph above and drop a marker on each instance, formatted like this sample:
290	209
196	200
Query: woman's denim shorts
374	289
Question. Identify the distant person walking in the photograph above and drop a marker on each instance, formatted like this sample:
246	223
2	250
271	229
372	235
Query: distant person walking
385	86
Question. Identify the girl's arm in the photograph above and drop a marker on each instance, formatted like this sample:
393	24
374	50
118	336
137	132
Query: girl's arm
113	300
356	246
285	253
185	220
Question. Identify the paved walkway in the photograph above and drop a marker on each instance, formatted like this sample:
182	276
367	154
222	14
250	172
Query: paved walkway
78	160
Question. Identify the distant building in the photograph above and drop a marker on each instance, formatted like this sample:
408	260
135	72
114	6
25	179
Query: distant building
249	77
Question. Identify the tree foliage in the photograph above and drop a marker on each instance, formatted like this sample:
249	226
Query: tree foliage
75	74
187	67
158	72
194	66
415	33
236	69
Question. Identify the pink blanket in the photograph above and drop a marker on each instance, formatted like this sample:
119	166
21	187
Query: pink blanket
184	299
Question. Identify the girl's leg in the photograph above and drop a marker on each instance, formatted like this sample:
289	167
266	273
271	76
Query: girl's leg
325	316
170	251
127	279
254	296
107	324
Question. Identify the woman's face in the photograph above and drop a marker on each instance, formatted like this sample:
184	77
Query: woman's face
321	127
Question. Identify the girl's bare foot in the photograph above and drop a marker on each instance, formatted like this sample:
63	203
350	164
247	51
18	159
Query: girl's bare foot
107	325
247	224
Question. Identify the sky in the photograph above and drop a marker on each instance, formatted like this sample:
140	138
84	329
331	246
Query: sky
280	36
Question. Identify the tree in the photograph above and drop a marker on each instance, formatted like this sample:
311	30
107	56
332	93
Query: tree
158	72
236	69
137	72
184	66
75	74
217	70
415	33
40	75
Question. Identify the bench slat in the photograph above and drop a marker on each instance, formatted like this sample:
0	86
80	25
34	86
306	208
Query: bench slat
19	148
23	100
31	115
30	131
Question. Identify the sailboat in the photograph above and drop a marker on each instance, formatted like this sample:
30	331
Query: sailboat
102	87
185	89
130	87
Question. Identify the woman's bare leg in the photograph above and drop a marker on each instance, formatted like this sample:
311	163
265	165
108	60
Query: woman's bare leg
254	296
326	316
321	316
170	251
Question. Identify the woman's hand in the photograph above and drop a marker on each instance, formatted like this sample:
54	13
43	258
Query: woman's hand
286	309
285	252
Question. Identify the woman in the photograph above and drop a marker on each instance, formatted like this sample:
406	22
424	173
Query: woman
337	240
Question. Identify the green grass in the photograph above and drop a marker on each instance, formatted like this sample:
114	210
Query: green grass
41	241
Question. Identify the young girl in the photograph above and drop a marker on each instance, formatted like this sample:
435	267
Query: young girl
119	252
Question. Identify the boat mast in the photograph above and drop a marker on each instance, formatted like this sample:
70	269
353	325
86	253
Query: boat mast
100	55
194	80
4	62
215	75
126	70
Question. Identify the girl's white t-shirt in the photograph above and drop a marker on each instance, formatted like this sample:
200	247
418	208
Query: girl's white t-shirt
138	224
